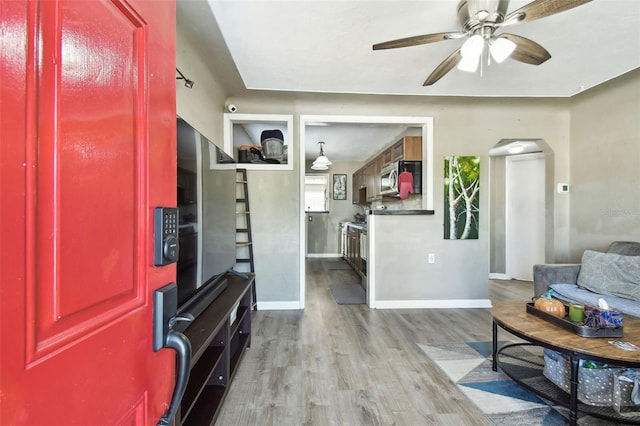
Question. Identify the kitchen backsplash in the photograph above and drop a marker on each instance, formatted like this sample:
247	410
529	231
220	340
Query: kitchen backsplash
414	202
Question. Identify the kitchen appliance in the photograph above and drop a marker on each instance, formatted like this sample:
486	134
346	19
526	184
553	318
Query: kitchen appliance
389	177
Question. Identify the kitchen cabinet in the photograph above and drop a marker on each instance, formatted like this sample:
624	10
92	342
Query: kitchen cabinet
364	254
353	248
366	181
377	168
359	187
355	186
370	180
386	157
409	148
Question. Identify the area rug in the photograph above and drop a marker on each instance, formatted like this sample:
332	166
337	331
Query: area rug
337	265
348	294
502	400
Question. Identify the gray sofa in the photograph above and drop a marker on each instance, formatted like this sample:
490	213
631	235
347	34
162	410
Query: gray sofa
611	275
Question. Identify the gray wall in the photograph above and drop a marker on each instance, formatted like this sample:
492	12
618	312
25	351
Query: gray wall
462	127
274	198
203	105
402	245
605	165
594	138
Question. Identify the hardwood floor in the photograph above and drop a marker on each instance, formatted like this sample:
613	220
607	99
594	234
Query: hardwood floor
349	365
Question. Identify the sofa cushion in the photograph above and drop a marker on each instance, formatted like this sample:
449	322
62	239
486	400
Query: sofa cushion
610	274
572	293
627	248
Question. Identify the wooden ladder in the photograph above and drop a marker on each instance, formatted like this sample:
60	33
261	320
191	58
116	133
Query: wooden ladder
244	239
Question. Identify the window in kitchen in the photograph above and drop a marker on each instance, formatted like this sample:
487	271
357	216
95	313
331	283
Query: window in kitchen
316	193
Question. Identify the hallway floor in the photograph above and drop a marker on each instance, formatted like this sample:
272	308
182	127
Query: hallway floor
349	365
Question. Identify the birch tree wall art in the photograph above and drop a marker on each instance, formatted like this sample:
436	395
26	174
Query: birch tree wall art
461	197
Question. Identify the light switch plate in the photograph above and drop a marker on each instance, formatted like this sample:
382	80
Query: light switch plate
563	188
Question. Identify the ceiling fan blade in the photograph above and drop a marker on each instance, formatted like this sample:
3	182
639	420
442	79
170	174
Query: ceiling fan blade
417	40
540	9
444	67
527	51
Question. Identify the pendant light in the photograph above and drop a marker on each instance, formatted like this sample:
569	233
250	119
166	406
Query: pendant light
322	162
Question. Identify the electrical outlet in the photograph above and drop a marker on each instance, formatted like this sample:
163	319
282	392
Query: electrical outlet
432	258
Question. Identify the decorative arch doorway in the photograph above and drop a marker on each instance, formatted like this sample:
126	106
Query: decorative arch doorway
521	207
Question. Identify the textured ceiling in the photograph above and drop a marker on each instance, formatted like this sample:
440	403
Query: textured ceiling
326	46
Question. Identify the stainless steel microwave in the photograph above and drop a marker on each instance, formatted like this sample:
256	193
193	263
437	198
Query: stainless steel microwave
389	177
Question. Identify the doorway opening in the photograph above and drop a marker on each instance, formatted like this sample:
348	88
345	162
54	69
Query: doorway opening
425	126
521	207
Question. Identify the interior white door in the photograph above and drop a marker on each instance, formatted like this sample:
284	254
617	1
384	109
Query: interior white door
525	227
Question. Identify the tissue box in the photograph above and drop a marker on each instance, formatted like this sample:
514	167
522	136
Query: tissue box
600	318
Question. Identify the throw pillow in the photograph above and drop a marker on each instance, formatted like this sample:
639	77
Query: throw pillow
610	274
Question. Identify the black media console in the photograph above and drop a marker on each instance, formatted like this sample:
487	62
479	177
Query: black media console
218	336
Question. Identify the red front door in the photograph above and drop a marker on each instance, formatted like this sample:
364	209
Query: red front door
87	144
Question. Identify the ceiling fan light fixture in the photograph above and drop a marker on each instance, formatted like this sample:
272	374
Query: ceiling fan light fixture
472	47
469	63
471	51
501	48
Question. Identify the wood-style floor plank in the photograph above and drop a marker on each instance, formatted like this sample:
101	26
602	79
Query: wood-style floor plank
349	365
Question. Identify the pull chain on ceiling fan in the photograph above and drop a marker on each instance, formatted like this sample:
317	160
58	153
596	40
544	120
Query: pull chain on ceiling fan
480	19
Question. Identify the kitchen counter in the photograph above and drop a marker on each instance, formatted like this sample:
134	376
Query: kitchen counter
380	212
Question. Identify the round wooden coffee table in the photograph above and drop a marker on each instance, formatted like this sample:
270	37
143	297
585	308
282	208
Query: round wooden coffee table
514	318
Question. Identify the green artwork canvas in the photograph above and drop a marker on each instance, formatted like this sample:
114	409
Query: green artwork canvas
461	197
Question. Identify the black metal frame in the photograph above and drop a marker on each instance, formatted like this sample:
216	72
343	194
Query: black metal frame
574	356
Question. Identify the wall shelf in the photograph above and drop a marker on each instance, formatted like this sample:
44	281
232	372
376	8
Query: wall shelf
245	129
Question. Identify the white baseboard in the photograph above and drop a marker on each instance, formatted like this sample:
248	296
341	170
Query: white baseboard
433	304
324	255
498	277
278	306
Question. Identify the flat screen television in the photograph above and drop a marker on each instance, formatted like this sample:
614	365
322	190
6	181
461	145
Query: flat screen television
206	199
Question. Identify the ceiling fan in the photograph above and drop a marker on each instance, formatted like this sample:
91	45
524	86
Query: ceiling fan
480	19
